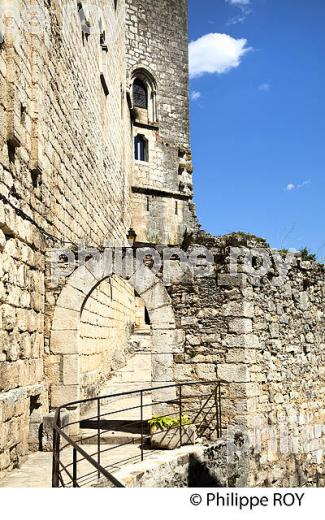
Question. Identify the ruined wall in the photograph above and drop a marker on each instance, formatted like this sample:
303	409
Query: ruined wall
261	331
106	323
288	374
168	172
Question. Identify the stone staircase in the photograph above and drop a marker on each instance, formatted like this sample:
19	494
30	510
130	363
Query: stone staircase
120	425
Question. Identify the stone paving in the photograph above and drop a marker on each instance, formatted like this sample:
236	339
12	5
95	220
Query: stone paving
36	472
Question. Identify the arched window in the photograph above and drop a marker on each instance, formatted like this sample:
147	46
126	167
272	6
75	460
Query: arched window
141	148
140	94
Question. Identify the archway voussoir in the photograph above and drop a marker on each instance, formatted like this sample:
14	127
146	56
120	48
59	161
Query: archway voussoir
142	280
101	265
83	280
71	298
156	297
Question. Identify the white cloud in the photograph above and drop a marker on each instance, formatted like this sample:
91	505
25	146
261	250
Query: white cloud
216	53
244	6
238	2
291	186
265	87
237	19
195	95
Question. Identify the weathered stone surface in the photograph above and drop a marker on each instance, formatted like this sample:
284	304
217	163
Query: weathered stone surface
68	175
241	326
234	373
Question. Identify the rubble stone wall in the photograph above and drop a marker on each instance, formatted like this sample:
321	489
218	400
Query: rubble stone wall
263	336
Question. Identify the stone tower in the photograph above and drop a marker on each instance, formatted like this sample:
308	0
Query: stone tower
94	140
157	77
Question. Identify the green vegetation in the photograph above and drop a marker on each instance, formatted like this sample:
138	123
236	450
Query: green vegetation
248	236
307	256
166	423
283	252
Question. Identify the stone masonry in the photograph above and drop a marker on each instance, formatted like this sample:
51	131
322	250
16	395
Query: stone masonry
84	164
66	174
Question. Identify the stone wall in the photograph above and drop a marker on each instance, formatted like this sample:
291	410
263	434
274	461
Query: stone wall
288	375
63	172
187	467
261	331
106	324
167	177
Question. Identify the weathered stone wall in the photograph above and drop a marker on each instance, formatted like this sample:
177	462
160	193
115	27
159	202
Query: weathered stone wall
288	374
64	166
186	467
167	177
262	333
106	324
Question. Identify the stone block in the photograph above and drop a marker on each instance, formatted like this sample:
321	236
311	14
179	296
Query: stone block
83	280
232	280
156	297
163	395
162	367
52	368
63	394
47	430
243	355
233	373
241	326
64	342
143	280
167	341
240	310
71	298
65	319
162	318
71	369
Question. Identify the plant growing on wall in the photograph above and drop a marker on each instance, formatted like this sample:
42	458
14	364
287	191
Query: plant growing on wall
307	255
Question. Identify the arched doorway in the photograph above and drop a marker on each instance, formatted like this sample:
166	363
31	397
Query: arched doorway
66	340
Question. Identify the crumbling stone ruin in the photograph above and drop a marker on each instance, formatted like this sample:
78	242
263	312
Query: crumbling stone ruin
95	150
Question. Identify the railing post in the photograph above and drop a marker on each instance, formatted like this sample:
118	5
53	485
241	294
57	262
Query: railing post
220	414
180	416
98	435
74	473
216	410
56	452
141	419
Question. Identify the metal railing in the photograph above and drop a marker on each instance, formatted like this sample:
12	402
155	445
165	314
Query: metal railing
122	434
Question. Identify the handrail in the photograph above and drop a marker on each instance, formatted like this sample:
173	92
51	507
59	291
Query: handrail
201	422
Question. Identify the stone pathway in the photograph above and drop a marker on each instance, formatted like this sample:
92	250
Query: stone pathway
36	472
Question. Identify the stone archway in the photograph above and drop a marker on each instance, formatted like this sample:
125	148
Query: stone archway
64	336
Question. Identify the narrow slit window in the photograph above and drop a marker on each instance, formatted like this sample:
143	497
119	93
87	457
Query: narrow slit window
141	148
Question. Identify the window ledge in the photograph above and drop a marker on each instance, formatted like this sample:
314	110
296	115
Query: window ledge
141	163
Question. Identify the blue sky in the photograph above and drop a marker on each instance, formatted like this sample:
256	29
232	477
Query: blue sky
258	118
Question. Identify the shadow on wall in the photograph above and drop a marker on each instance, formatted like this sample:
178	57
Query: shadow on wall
200	476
